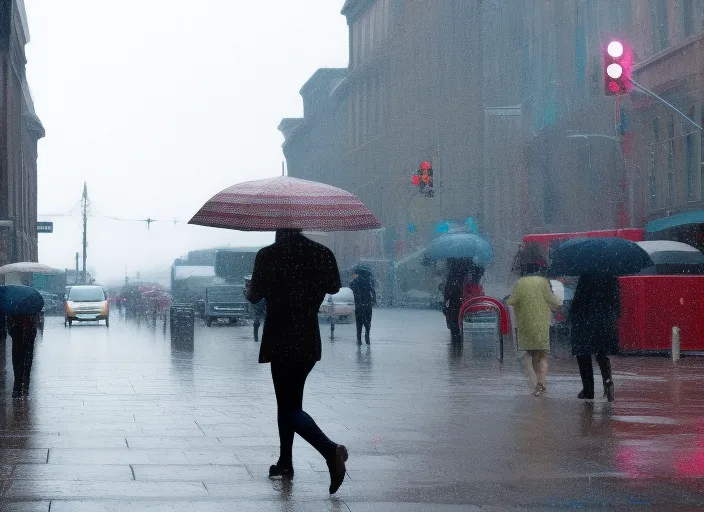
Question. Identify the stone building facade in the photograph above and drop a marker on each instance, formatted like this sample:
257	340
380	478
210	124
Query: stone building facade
20	129
506	99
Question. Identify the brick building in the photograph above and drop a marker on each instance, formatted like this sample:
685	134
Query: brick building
668	161
20	129
506	99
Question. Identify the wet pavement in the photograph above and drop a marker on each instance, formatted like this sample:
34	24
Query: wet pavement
118	419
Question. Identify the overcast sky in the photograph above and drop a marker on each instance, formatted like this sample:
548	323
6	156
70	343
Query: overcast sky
158	105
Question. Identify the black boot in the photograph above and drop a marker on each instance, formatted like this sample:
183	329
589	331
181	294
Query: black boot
282	470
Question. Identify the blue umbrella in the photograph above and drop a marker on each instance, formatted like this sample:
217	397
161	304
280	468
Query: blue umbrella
20	300
460	246
600	256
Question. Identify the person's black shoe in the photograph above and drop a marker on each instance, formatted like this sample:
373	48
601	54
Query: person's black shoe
277	470
583	395
337	468
610	391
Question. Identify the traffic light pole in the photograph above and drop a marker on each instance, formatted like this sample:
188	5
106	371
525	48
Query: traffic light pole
669	105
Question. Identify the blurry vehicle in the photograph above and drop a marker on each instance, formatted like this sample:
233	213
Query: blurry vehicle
225	304
338	307
87	303
53	304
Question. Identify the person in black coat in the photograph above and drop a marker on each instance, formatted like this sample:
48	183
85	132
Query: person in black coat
259	316
454	288
362	286
23	331
293	275
594	314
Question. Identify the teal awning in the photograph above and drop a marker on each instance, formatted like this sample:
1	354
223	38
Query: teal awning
676	221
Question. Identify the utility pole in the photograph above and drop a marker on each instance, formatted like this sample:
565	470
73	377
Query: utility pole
75	276
85	203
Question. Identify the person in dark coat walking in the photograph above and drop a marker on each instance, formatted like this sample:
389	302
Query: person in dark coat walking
293	275
454	289
259	316
23	331
362	286
594	314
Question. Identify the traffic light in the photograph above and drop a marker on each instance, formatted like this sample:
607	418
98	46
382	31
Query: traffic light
423	179
618	66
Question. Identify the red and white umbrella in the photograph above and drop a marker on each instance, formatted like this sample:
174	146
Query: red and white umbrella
285	203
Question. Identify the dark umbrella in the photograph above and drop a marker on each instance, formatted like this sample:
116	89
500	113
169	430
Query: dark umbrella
463	246
598	256
363	269
20	300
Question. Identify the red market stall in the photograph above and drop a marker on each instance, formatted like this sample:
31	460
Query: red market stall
652	305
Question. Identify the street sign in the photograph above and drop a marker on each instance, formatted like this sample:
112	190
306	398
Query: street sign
45	227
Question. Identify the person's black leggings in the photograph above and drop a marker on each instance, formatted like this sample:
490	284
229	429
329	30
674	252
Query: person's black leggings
289	380
23	331
586	371
363	316
453	317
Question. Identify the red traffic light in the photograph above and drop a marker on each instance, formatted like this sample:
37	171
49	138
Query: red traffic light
618	63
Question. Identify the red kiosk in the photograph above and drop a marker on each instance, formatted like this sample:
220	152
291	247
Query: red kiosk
651	305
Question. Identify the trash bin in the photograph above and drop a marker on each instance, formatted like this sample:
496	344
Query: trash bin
182	323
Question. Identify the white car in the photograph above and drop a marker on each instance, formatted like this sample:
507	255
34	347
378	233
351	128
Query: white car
338	307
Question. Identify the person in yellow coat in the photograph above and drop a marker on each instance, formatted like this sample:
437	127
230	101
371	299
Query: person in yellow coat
533	300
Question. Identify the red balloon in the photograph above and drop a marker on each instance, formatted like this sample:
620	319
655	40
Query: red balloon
416	180
425	166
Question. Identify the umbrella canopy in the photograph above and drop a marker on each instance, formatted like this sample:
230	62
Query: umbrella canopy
600	256
285	203
20	300
460	246
675	221
666	252
363	269
27	267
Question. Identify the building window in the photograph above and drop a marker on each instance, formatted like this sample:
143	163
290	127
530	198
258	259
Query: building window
658	17
671	145
689	155
688	18
656	129
701	157
670	188
652	181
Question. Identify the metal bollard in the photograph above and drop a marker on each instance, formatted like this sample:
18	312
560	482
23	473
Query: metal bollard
675	343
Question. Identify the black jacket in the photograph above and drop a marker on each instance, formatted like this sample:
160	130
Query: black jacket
594	315
293	275
364	292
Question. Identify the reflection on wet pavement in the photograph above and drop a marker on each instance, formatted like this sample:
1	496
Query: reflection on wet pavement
119	419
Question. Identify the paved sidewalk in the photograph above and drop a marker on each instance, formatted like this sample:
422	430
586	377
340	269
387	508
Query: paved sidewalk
119	420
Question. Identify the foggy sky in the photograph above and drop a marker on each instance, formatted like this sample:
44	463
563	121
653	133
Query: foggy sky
159	105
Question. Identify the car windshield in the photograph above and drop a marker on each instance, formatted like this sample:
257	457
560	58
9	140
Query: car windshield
86	294
230	294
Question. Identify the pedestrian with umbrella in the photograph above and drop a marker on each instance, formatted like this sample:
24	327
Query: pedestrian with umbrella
293	275
467	256
362	287
533	301
22	305
595	309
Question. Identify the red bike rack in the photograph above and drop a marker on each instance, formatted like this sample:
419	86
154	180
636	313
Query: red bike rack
479	304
